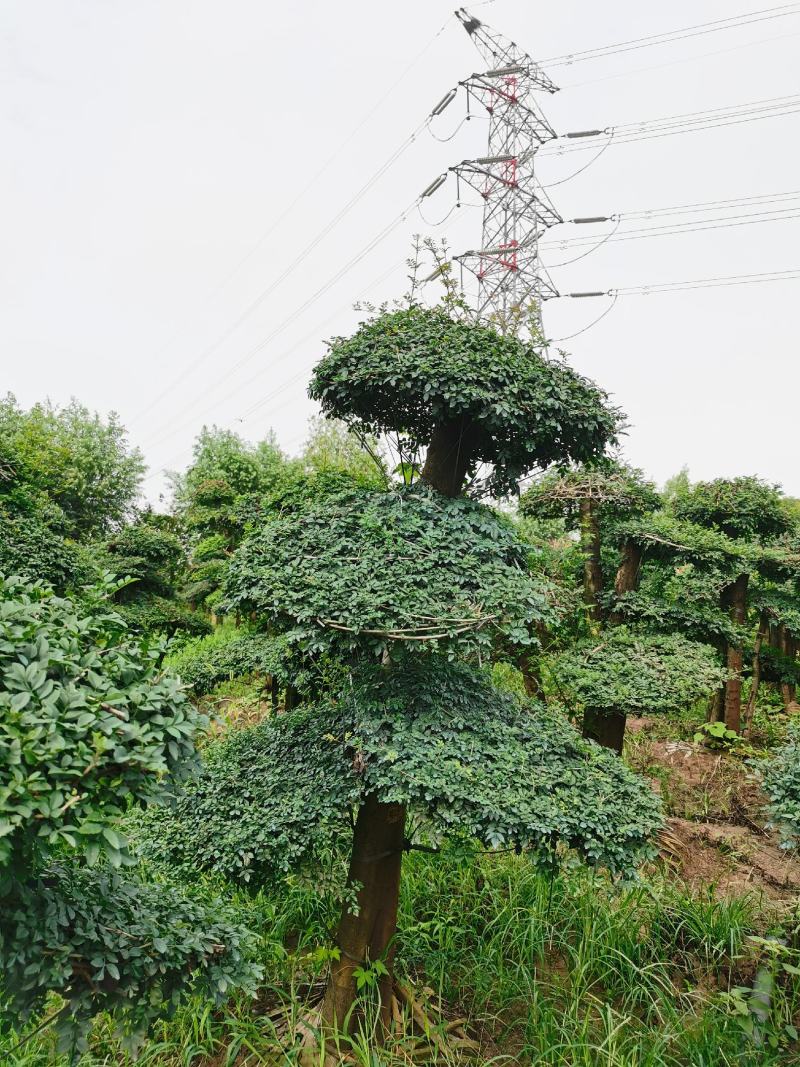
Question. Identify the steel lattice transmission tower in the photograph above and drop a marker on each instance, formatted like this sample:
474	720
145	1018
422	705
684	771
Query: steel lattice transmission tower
511	280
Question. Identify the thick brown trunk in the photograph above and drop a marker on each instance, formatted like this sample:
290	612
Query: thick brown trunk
368	936
627	578
736	597
755	680
607	728
449	456
592	573
292	698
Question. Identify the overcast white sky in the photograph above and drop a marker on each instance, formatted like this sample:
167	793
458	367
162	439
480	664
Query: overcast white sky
148	147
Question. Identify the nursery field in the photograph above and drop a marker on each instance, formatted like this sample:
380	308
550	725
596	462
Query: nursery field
451	740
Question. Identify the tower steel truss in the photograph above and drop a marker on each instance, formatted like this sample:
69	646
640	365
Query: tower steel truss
511	280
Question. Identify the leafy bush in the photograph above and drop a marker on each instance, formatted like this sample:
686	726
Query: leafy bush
157	615
88	727
408	371
87	723
365	569
113	942
227	653
780	775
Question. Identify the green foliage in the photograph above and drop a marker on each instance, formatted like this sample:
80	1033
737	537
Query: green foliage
780	775
88	724
88	727
716	735
159	615
433	735
72	459
745	508
614	489
637	673
32	546
225	654
113	942
405	372
147	551
364	570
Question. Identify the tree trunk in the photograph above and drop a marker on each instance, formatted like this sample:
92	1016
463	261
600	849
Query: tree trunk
736	596
787	648
377	853
449	456
368	936
592	573
292	698
607	728
627	578
755	680
531	675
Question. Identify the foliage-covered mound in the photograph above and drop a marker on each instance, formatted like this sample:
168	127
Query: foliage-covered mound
435	736
403	566
89	725
638	673
408	371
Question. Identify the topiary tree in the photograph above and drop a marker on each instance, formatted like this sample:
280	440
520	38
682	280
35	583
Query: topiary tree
729	531
590	499
88	727
629	673
394	585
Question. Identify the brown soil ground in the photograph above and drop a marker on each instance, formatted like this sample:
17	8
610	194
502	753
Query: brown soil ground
716	829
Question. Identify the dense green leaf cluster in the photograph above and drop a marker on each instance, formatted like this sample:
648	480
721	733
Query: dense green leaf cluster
87	723
433	735
365	570
111	941
780	775
228	653
638	673
745	508
407	371
70	459
88	727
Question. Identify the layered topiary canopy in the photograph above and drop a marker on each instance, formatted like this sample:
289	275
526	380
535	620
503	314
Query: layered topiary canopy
638	673
434	736
368	570
408	372
746	508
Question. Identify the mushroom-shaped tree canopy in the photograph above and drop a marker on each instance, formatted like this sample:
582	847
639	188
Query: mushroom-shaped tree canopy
425	377
613	489
434	736
628	673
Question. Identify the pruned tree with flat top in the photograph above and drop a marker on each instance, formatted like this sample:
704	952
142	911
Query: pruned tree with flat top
407	589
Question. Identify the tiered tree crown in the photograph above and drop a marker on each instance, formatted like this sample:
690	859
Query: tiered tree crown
419	372
614	488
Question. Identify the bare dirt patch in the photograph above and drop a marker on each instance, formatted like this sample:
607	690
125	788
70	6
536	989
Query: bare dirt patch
716	831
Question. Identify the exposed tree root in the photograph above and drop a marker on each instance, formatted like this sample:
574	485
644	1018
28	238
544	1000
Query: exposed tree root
418	1034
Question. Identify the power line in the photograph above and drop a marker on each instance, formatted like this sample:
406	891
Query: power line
693	226
373	243
678	62
698	30
714	282
733	115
